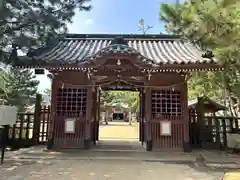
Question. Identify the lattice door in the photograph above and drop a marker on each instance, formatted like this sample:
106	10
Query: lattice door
166	103
71	103
167	106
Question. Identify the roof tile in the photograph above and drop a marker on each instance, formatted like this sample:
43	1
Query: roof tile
157	49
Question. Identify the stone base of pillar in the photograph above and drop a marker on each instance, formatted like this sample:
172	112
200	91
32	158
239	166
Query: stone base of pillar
186	147
87	144
50	144
149	145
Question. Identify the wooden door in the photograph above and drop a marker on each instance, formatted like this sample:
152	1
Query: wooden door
70	104
167	106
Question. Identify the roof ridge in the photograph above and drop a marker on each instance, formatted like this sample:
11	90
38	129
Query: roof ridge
111	36
161	49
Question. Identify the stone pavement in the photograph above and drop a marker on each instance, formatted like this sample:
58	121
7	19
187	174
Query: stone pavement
220	159
104	170
39	152
36	163
118	156
220	156
209	159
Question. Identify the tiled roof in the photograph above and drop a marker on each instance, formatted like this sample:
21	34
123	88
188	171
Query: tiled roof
207	101
158	49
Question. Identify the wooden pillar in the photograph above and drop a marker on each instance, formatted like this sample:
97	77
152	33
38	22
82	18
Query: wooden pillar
37	119
142	114
87	139
50	142
148	117
200	120
94	118
98	114
186	141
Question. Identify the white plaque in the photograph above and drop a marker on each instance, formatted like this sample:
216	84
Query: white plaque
8	115
165	128
70	125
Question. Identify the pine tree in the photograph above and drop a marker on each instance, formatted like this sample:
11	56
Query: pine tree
20	88
30	24
26	25
213	25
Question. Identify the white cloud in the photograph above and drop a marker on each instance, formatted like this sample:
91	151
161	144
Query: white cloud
89	21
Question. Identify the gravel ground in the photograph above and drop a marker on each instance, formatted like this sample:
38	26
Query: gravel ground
102	170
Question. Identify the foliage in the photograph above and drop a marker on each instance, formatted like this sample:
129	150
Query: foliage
131	99
20	88
24	25
215	26
30	24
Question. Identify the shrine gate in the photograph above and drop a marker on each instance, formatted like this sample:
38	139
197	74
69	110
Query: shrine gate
82	65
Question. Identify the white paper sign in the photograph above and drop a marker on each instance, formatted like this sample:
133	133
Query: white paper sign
8	115
165	128
69	125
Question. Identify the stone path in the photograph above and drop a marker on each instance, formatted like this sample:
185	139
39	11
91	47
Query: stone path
104	170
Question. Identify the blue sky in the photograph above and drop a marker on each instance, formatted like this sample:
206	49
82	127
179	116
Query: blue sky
115	16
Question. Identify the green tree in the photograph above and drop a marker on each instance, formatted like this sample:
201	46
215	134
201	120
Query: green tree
20	88
25	25
215	26
30	24
131	99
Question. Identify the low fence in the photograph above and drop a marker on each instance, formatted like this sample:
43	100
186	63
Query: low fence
21	133
211	132
30	129
42	136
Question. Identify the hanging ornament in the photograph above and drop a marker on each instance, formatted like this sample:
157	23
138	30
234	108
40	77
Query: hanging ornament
119	62
149	76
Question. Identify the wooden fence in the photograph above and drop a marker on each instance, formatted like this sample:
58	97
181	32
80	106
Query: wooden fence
211	132
30	130
42	136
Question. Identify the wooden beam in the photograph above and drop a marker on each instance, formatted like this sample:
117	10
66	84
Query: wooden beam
122	79
113	72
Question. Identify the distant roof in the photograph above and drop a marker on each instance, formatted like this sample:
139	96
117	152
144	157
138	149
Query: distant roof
121	105
159	49
207	101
